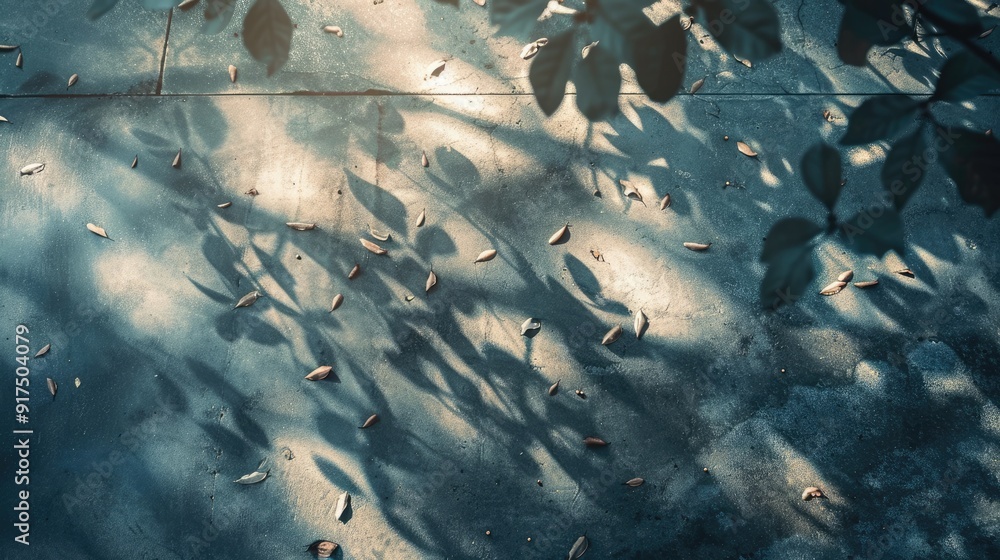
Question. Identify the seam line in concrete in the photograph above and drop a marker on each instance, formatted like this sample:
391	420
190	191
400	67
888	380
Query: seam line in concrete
163	53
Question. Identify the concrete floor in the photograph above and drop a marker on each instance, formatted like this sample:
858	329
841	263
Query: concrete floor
886	399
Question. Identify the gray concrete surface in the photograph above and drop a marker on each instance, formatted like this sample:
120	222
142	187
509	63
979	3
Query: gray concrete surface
885	399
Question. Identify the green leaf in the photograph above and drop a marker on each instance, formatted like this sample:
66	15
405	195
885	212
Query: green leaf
749	29
867	23
161	5
963	77
218	13
875	233
957	16
973	162
786	234
100	7
879	118
787	277
550	71
905	167
516	17
267	34
821	174
597	82
660	60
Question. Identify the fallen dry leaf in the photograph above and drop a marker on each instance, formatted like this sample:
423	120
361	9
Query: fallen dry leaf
177	160
248	300
371	421
579	548
319	373
77	382
224	205
866	284
697	85
641	322
378	234
4	119
591	441
557	236
697	246
612	335
812	492
487	255
906	272
587	48
529	51
19	63
334	30
665	202
337	300
301	226
635	482
630	191
846	276
686	23
422	218
44	350
187	5
72	80
833	288
135	161
530	324
597	255
323	549
432	281
32	168
554	388
745	149
373	247
232	73
52	386
252	478
354	272
423	159
97	230
342	504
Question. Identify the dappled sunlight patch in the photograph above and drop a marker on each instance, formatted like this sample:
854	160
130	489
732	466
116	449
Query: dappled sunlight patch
769	178
869	376
135	287
863	156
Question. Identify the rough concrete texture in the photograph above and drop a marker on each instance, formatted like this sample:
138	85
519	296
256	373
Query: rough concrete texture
885	399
